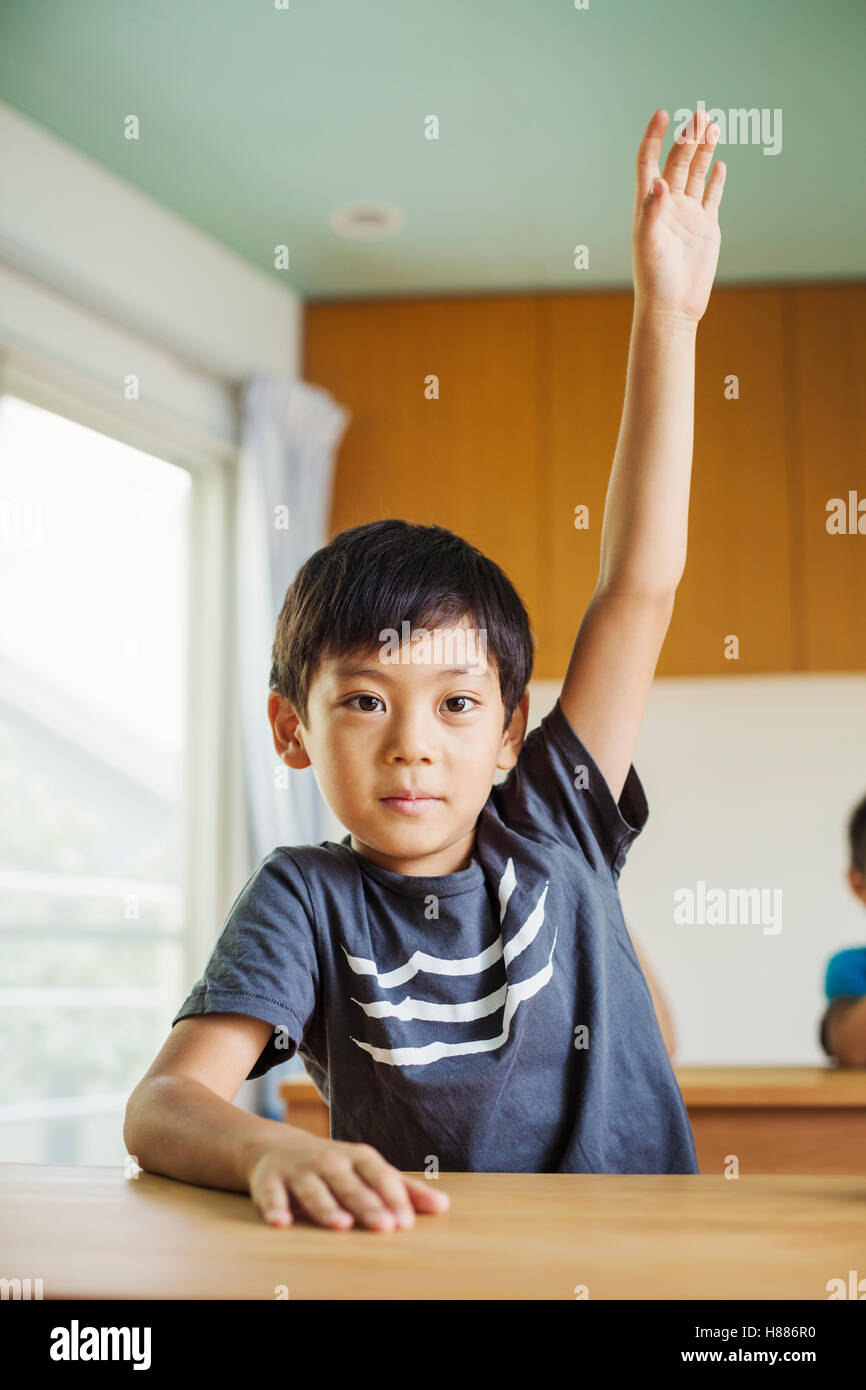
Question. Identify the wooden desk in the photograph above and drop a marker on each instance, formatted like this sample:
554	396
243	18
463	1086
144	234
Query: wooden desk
304	1106
91	1233
775	1119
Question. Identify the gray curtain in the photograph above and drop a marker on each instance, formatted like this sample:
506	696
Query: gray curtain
289	440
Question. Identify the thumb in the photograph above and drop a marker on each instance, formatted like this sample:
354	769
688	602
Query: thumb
656	195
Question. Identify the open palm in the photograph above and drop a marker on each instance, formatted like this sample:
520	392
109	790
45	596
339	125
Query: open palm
676	237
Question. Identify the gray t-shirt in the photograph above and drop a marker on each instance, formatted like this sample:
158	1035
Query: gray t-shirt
497	1018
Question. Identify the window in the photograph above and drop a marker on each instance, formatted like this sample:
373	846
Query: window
94	600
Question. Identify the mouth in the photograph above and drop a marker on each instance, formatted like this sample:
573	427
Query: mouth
410	805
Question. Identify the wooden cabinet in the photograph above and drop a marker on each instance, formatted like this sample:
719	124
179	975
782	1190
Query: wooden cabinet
827	403
531	389
584	352
466	460
738	576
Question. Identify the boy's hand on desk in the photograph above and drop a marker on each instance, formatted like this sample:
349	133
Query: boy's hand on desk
676	237
334	1183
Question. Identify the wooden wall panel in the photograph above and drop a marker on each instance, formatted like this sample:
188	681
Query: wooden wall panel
828	408
531	393
584	351
738	577
467	460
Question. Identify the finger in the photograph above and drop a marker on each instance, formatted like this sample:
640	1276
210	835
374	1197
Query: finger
272	1200
713	195
360	1199
318	1202
701	162
680	154
426	1196
654	200
385	1180
648	153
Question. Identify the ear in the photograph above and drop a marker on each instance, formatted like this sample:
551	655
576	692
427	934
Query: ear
286	730
512	739
857	882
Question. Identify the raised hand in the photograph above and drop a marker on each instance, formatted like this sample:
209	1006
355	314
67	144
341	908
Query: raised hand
675	236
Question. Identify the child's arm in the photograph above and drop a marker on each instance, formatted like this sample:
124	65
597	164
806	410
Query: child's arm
675	246
180	1121
845	1031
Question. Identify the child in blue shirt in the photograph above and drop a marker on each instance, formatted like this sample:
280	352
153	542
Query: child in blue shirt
843	1026
456	973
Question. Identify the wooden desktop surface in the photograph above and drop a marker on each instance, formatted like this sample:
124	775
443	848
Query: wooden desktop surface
90	1232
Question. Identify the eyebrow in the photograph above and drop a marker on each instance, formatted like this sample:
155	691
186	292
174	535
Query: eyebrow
380	672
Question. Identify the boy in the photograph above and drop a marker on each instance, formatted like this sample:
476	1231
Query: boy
843	1027
456	973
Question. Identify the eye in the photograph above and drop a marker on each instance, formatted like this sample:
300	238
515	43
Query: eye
350	703
460	697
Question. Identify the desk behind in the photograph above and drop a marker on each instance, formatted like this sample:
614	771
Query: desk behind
773	1119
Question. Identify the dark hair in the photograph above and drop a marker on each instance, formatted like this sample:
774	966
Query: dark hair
857	836
385	573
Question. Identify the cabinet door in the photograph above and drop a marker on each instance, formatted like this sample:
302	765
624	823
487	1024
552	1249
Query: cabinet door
583	355
738	577
466	460
828	411
738	570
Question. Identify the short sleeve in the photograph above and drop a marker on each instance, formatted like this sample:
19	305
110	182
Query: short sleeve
846	974
557	792
265	962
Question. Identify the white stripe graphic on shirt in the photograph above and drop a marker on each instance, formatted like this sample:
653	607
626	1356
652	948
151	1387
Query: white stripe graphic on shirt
430	965
421	1056
508	997
410	1008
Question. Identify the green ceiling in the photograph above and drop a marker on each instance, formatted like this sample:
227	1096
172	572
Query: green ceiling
257	122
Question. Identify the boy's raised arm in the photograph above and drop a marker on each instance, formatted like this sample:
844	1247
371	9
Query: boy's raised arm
675	250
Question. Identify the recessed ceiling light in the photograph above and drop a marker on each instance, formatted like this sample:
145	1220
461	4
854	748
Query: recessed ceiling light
367	221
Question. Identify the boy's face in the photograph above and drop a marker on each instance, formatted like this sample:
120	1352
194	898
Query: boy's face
377	728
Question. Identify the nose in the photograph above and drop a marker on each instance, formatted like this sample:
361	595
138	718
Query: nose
409	741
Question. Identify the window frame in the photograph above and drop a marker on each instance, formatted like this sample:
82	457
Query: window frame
213	822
